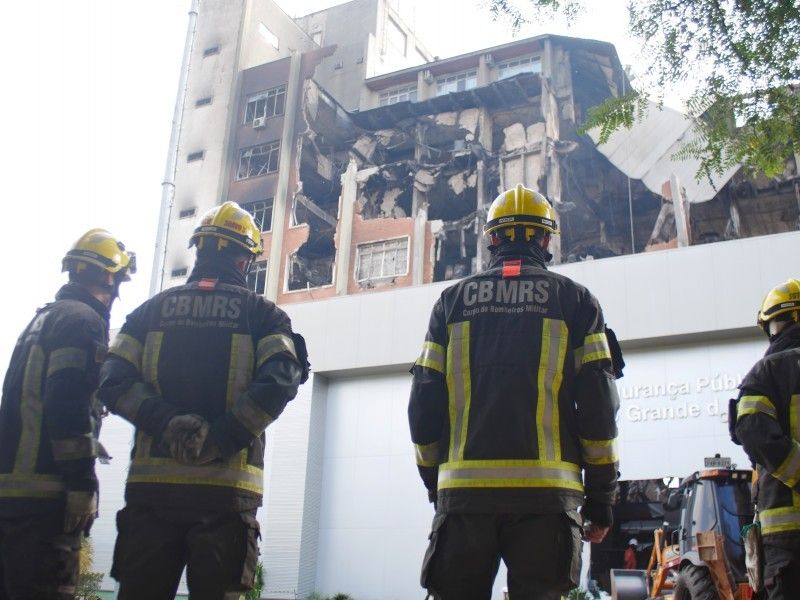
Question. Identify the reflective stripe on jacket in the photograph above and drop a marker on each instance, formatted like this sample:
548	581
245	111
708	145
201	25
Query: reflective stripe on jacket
513	403
48	420
768	425
208	348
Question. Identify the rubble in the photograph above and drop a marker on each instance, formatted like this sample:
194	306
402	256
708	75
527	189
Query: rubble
438	163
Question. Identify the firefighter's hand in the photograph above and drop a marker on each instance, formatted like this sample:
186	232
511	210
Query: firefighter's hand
80	511
181	433
594	533
433	497
597	520
198	449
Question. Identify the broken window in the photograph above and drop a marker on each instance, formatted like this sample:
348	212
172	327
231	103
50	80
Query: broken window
262	213
264	105
381	260
312	265
525	64
457	82
401	94
258	160
257	277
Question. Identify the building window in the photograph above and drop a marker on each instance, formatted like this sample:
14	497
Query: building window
395	38
458	82
526	64
382	260
257	277
194	156
270	37
401	94
317	38
264	105
186	213
262	213
258	160
211	51
203	101
180	272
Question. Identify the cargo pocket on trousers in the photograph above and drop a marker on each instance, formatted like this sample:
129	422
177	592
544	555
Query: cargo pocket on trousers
573	547
250	563
438	521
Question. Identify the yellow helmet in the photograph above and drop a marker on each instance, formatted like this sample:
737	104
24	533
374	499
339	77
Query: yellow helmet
521	207
229	222
780	300
99	248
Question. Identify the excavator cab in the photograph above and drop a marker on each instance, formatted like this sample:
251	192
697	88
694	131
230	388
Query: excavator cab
715	505
703	556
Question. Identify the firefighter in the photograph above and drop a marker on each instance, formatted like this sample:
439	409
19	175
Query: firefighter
513	396
768	427
49	425
200	370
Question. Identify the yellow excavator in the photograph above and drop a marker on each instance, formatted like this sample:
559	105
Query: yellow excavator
703	557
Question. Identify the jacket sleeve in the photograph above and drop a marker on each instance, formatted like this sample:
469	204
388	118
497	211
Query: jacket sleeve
78	344
281	365
427	406
596	404
759	431
123	388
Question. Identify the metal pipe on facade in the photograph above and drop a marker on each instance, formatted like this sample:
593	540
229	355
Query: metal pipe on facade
168	185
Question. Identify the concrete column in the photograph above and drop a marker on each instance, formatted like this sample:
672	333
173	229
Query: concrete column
418	255
484	74
484	196
293	102
419	210
347	203
681	211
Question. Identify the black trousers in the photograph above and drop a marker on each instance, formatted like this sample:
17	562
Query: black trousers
218	549
542	554
38	561
782	566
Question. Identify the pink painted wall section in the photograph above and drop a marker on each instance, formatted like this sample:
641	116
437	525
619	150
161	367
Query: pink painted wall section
373	230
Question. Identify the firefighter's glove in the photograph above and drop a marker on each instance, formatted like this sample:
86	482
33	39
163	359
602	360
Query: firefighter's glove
597	514
199	449
208	453
80	511
180	435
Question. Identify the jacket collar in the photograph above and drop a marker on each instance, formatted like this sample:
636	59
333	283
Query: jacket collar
77	292
224	272
529	254
786	339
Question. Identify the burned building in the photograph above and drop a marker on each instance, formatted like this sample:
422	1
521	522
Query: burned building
366	181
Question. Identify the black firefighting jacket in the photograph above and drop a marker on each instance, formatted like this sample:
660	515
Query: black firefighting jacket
48	422
513	400
768	426
213	348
